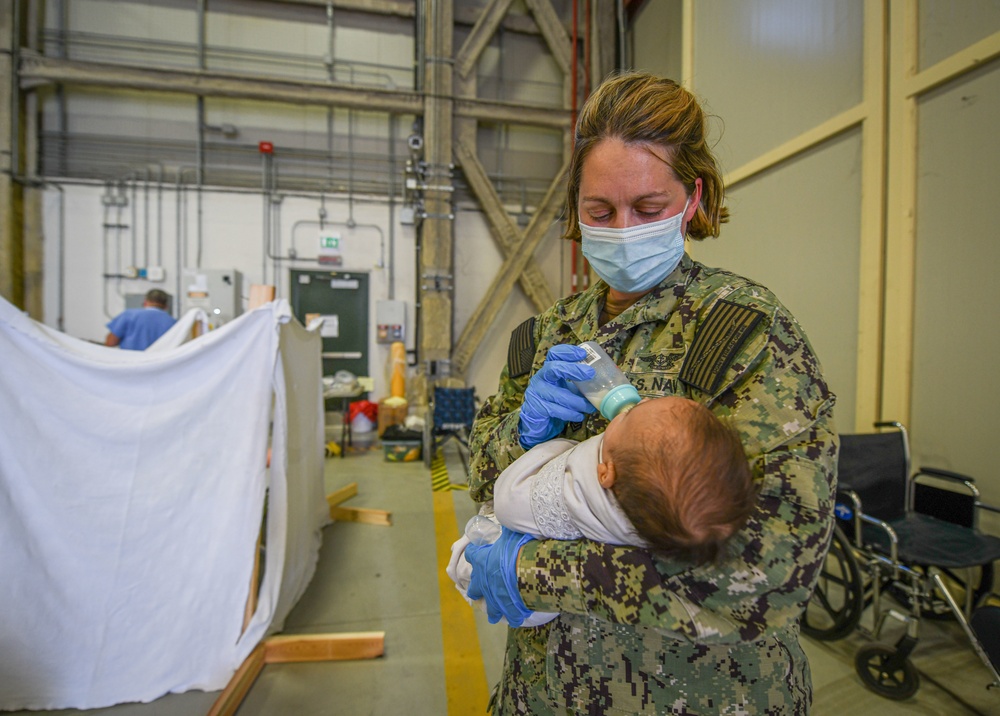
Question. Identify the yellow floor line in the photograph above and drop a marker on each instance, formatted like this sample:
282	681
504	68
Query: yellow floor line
464	674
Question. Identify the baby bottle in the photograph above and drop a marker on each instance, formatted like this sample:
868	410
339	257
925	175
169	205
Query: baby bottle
481	530
609	390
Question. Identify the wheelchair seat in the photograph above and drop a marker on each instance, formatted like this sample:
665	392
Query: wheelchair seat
931	542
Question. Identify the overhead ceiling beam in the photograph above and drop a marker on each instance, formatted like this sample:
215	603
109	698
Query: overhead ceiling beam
36	70
464	15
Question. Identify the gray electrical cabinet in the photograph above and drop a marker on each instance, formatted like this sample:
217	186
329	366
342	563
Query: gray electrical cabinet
219	292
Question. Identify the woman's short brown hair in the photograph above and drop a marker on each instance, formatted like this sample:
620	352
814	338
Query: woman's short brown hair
640	108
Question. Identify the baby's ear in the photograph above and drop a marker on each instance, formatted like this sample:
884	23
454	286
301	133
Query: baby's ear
606	474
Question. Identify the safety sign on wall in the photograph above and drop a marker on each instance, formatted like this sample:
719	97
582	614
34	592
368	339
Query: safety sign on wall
329	248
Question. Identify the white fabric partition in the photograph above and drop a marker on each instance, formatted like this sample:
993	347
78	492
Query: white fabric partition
132	486
180	332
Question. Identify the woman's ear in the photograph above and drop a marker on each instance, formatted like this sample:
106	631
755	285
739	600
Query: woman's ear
695	201
606	474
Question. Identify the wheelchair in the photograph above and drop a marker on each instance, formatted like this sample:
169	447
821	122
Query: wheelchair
913	539
449	415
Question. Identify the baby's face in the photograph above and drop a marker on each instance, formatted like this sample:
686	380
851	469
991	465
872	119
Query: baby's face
630	425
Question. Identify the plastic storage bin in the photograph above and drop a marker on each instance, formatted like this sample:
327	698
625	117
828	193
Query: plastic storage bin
402	450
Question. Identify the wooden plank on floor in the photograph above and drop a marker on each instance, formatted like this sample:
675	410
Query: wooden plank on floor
342	495
236	690
324	647
361	514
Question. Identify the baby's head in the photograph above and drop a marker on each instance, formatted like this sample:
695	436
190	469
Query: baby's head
680	475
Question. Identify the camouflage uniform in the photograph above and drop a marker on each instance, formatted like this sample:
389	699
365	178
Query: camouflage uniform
638	634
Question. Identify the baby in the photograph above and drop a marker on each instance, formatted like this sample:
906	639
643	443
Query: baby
665	474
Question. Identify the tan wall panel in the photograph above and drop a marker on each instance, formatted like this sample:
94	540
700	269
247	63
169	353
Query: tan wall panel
947	26
956	339
773	70
795	230
656	39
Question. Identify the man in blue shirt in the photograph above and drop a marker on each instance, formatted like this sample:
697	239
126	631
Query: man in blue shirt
137	329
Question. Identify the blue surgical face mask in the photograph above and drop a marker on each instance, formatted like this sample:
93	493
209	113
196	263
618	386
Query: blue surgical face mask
636	258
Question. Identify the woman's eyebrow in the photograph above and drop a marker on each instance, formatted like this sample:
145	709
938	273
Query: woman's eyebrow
651	195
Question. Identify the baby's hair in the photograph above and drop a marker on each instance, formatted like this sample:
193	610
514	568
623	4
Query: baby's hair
685	491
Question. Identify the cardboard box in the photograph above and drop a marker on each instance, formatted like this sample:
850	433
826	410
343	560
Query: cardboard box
390	415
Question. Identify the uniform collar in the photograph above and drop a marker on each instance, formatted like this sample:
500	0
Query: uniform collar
583	308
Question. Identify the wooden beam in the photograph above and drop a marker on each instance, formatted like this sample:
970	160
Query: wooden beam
521	253
355	514
381	518
260	294
236	690
900	252
295	648
797	145
871	249
343	494
554	33
505	232
950	68
324	647
482	32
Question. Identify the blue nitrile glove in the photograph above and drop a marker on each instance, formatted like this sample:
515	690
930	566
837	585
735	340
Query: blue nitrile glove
494	577
551	400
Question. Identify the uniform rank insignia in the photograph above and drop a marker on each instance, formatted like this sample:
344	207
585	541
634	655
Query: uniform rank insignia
521	350
716	343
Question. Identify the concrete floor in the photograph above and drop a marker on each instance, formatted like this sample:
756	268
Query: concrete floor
372	578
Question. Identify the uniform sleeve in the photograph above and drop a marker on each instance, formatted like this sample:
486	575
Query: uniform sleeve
780	403
494	441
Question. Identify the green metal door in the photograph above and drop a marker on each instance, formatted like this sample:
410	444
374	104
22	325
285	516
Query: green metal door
341	297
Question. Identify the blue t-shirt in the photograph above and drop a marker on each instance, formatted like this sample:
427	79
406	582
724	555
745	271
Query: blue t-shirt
138	328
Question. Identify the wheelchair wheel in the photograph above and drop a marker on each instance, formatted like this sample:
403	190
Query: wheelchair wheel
887	674
835	607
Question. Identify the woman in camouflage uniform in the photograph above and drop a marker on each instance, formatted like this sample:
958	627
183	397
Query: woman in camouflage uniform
639	634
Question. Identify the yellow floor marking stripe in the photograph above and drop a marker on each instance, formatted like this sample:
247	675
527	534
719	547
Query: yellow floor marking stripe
464	673
439	476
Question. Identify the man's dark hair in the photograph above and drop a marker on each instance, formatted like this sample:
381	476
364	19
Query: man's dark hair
157	297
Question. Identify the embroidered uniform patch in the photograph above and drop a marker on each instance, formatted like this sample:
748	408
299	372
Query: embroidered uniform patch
716	343
521	349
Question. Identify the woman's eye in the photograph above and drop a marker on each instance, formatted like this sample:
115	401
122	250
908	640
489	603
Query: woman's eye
649	212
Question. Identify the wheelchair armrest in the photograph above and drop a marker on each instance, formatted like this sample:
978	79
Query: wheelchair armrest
893	540
941	501
943	474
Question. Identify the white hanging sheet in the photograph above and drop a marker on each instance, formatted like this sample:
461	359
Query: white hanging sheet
132	486
180	332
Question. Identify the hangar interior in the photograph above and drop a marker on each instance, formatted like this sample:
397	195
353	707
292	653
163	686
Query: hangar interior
415	151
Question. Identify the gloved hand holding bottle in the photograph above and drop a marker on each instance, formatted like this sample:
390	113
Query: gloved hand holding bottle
551	400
